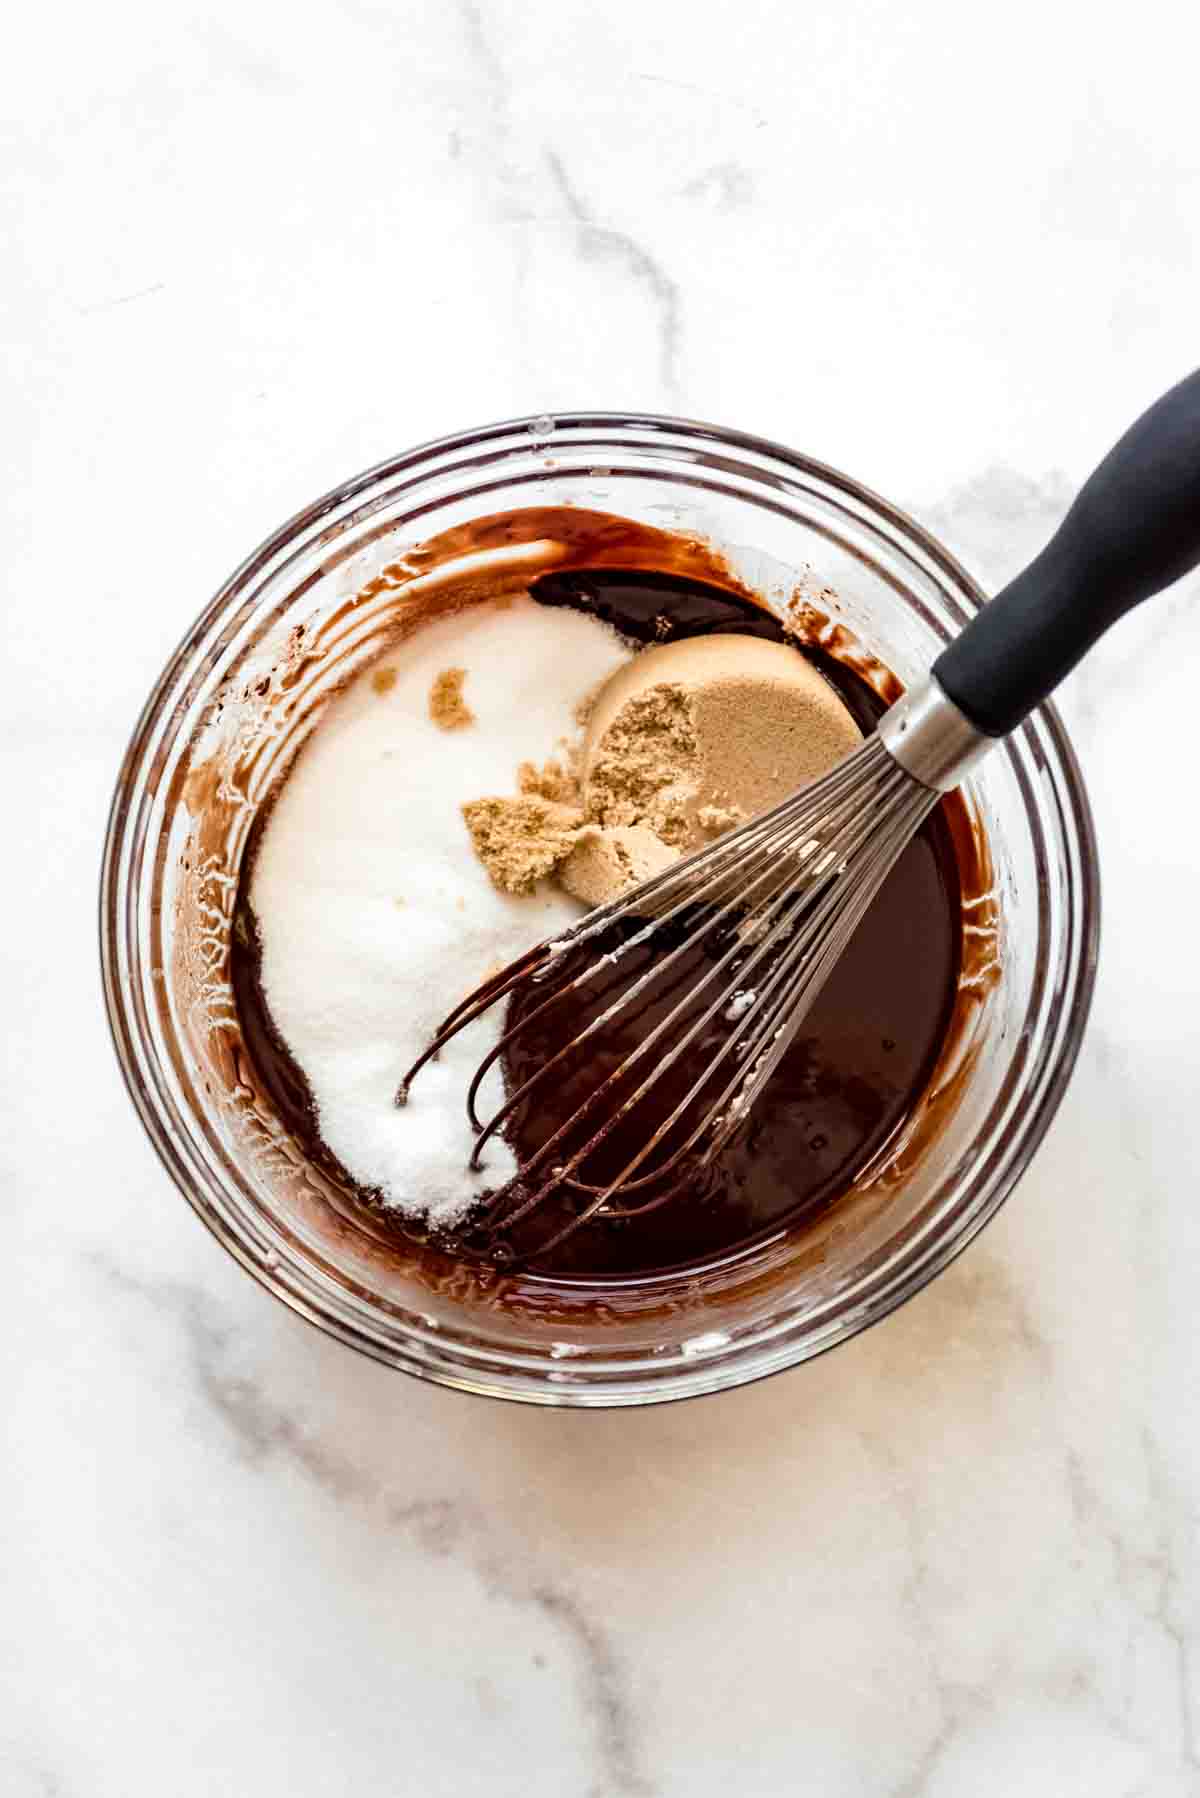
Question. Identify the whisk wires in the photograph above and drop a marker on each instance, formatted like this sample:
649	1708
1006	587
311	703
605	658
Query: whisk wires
772	905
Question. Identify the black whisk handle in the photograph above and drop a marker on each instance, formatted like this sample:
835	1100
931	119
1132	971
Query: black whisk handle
1133	529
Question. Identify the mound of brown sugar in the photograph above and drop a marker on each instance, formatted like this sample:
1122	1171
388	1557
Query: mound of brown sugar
695	736
685	741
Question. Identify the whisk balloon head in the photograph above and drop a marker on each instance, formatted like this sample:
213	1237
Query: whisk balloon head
638	1041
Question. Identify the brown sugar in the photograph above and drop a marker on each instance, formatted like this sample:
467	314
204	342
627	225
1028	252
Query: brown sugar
383	680
447	707
521	840
645	766
695	736
606	862
716	818
687	740
550	781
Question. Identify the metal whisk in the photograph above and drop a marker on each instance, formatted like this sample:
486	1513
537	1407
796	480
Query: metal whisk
726	951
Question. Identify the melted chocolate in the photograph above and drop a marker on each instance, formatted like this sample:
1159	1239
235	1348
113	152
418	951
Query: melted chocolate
839	1094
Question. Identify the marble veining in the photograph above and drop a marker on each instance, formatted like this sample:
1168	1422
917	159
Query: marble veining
253	252
601	243
261	1429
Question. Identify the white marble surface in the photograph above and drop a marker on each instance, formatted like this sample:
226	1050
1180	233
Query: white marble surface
250	250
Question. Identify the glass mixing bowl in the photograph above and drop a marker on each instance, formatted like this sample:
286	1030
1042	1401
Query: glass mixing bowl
304	611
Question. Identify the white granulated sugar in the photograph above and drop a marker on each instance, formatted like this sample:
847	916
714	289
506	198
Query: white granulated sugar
375	916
